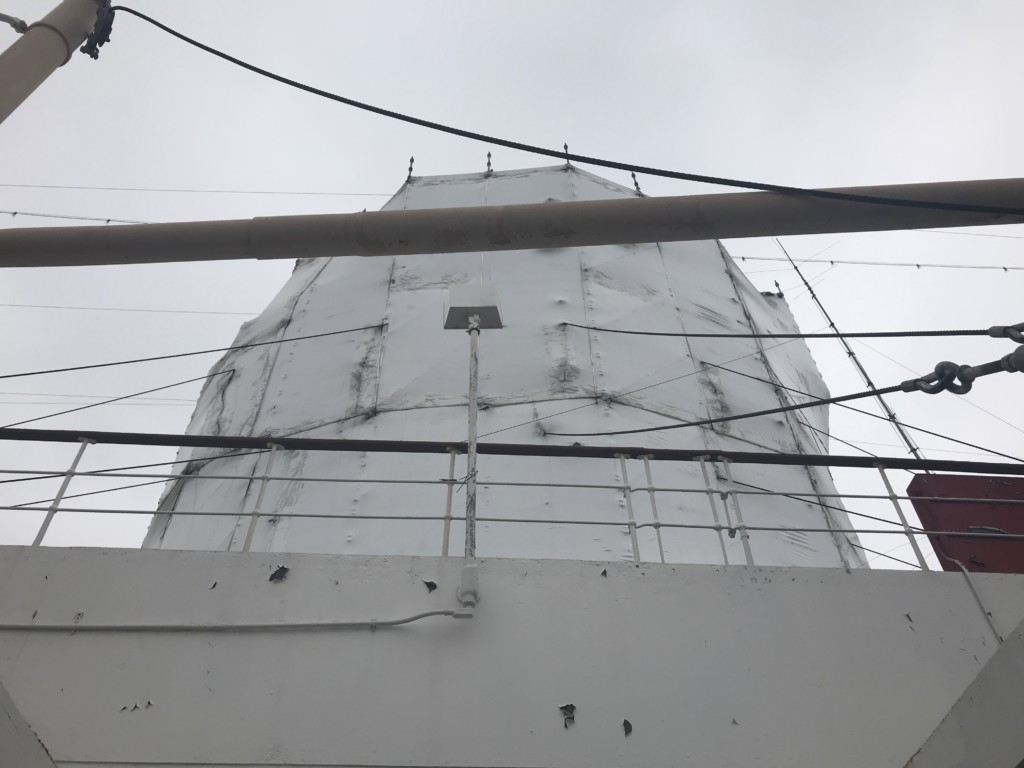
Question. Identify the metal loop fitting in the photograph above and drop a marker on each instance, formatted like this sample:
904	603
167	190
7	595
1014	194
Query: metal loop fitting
1011	332
941	379
944	377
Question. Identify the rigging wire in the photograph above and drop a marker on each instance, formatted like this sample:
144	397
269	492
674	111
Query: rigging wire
967	234
117	399
131	309
862	263
155	404
93	493
197	191
738	416
825	505
133	466
189	354
879	398
873	415
878	554
93	397
963	400
568	156
895	549
836	335
14	214
590	404
99	474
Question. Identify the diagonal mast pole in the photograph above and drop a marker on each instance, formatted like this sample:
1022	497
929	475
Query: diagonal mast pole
890	414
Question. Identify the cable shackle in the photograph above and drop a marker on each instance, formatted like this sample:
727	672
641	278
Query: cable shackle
1011	332
946	374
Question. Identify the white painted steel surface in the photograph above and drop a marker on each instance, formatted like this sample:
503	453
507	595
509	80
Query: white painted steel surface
714	667
407	380
20	747
983	727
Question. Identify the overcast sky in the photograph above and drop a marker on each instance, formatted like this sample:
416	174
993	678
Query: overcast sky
802	93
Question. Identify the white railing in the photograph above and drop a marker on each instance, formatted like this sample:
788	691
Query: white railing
725	498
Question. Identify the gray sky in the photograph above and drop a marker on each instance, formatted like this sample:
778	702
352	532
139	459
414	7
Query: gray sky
802	93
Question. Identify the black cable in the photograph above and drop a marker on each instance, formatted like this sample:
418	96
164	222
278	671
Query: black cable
855	361
737	417
833	437
539	419
824	505
133	466
99	473
864	335
188	354
568	156
116	399
878	554
91	493
873	416
14	214
130	309
197	191
860	263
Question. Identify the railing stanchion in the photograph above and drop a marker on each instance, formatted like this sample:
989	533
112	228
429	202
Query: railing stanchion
85	443
627	493
744	534
903	519
714	507
259	497
448	502
654	506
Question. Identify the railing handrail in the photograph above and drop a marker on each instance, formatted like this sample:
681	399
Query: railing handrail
896	530
507	449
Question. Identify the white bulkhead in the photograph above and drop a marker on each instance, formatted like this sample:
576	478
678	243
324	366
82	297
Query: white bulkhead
405	378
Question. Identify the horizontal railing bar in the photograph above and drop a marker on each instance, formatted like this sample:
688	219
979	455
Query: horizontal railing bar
899	532
506	449
612	523
615	524
248	478
293	478
196	513
814	495
810	496
584	486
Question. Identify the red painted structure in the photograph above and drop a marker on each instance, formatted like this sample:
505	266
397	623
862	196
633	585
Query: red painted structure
939	501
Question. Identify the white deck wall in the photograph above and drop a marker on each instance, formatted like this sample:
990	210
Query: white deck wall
714	667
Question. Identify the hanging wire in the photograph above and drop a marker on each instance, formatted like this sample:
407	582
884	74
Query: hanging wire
569	157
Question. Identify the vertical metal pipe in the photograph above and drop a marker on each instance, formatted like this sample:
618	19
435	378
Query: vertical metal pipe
744	534
974	592
46	45
259	497
903	519
474	352
714	507
654	504
627	494
448	503
85	443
